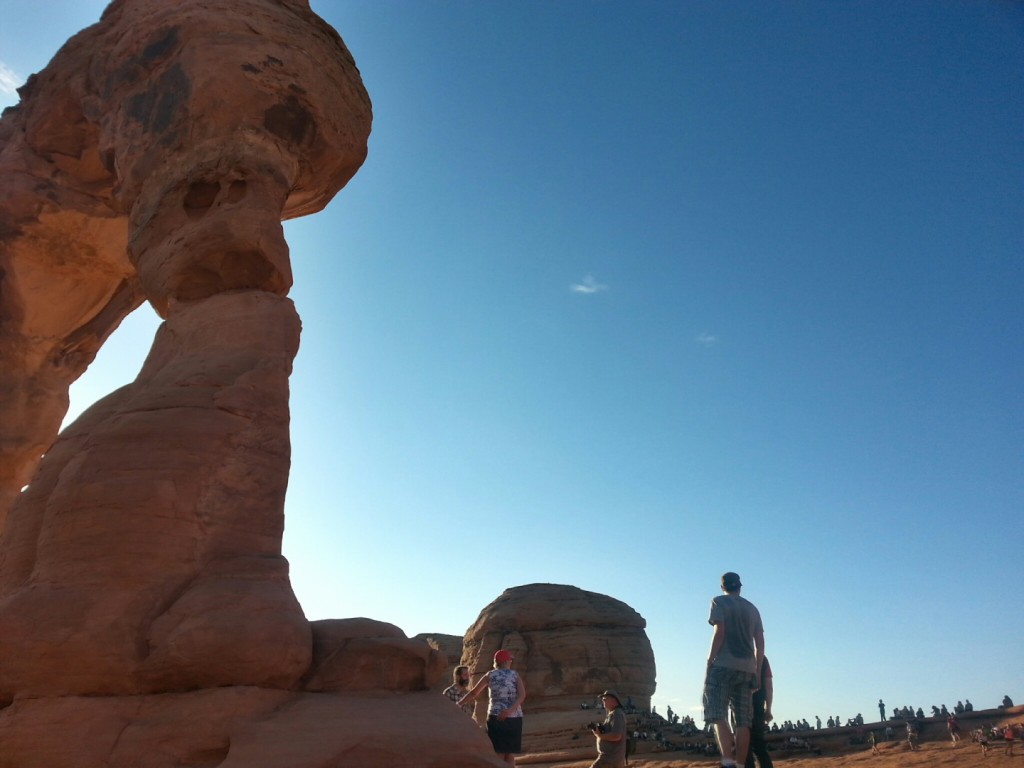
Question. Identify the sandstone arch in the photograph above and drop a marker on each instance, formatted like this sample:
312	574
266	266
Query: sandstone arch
147	615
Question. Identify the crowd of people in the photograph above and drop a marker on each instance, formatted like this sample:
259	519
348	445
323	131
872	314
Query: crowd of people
898	715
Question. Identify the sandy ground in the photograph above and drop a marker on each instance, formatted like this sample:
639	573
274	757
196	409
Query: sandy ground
933	755
936	752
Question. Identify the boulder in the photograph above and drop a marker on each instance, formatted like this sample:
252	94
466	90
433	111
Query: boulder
569	645
367	655
450	646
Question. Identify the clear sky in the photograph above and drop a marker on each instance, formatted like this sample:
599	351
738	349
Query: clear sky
629	294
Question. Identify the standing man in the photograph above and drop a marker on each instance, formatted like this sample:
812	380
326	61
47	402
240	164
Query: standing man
611	734
881	710
734	668
761	717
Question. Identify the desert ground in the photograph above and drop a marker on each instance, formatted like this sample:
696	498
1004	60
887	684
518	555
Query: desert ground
931	755
935	750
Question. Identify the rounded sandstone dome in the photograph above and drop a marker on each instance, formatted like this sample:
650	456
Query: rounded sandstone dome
569	645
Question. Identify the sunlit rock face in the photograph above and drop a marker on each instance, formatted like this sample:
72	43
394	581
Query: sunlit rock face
146	614
569	645
155	157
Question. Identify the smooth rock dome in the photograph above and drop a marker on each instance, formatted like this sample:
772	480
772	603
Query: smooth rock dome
569	645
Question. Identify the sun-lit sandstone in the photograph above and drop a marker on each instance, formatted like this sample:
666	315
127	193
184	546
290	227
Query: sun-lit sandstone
147	614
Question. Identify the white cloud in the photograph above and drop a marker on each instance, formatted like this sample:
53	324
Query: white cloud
9	81
707	339
588	285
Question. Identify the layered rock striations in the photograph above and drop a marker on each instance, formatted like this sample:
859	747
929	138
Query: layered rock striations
569	645
146	612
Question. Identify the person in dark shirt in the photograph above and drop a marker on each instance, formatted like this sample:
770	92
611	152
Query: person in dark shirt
761	717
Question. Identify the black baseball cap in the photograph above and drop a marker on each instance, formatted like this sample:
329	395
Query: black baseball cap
731	580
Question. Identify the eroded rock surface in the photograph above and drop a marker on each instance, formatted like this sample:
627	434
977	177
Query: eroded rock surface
367	655
450	647
569	645
185	130
145	555
146	615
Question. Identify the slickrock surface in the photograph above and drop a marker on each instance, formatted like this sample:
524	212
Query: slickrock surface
242	728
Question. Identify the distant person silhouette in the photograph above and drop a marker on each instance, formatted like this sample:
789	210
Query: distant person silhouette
953	726
881	710
912	736
981	736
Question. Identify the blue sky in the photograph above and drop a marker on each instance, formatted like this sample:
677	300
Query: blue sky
630	294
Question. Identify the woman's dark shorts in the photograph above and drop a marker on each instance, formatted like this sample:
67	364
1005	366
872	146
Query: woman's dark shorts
506	735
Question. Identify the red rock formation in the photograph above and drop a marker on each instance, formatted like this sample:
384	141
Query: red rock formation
569	645
211	121
153	526
366	655
450	648
240	727
154	158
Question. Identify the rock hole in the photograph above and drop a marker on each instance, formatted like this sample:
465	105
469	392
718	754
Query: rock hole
200	197
229	271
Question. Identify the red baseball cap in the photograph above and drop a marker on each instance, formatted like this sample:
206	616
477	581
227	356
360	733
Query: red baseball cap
502	656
